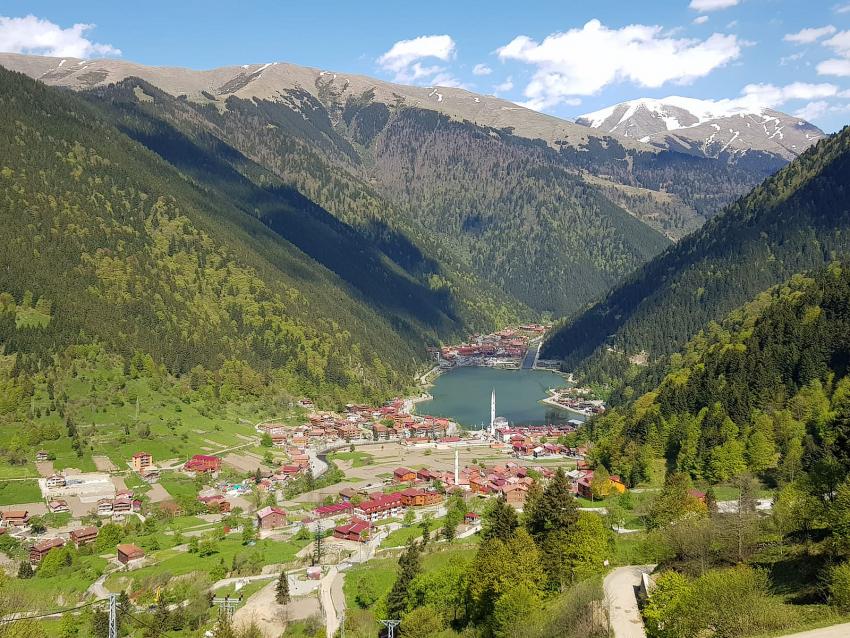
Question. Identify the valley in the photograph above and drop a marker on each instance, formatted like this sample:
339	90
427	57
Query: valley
295	352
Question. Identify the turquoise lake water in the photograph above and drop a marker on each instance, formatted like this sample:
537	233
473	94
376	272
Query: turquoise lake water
463	395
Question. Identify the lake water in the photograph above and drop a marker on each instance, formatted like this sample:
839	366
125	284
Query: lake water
463	395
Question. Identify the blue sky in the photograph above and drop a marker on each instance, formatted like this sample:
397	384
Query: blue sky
565	57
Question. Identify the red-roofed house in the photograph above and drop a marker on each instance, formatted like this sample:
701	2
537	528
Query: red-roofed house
83	535
40	550
414	497
336	509
271	517
203	463
354	531
378	507
127	553
403	475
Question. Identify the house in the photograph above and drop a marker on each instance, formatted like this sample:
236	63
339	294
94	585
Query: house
58	506
330	511
127	553
150	474
55	480
122	505
380	507
514	494
403	475
104	507
40	550
41	456
83	535
141	461
356	530
471	518
215	503
347	494
415	497
202	463
171	508
271	517
15	518
425	475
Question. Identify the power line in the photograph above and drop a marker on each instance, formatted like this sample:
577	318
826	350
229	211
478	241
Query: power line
53	613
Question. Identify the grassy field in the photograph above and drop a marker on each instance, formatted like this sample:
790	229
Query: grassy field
357	458
59	591
176	563
401	536
379	574
16	492
179	485
117	417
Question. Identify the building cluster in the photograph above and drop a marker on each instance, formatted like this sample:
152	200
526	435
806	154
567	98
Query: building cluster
119	507
505	347
579	400
538	441
143	465
359	422
582	483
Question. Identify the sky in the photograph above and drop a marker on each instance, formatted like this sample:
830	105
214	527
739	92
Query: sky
563	57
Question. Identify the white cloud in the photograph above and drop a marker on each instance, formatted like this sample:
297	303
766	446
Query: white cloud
481	69
36	36
772	96
505	86
700	20
403	58
840	44
807	36
812	110
712	5
787	59
835	66
842	8
583	61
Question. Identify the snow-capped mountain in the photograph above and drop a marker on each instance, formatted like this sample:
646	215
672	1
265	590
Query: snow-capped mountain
704	127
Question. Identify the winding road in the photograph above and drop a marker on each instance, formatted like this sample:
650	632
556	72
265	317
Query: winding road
623	613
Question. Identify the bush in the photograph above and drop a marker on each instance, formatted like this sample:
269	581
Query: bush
839	586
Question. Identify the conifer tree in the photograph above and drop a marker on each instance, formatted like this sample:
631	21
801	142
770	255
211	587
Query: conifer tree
500	521
282	590
409	567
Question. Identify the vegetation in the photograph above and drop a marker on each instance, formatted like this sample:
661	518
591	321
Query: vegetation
795	221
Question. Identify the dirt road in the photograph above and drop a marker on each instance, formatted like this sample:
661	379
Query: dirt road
622	604
836	631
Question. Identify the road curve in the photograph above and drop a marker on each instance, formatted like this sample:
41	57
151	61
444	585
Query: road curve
623	613
835	631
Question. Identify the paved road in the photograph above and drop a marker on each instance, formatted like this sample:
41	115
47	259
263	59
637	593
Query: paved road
836	631
623	612
326	594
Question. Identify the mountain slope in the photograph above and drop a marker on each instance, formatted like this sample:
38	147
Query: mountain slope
328	135
493	244
707	128
122	249
795	221
747	394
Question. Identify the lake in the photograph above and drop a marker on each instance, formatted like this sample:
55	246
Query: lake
463	395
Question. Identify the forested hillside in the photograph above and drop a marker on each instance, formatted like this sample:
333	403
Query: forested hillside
764	391
104	242
797	220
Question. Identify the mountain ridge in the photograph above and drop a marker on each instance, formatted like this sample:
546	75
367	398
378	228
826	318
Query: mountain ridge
711	128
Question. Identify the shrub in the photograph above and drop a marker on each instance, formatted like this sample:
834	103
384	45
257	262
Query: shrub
839	586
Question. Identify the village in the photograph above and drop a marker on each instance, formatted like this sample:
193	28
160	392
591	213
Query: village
579	400
505	348
361	481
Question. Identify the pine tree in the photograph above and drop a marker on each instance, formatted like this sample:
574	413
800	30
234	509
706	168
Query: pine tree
500	521
25	570
409	567
282	590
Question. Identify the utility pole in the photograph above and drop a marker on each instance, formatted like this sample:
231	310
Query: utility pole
390	625
226	605
113	616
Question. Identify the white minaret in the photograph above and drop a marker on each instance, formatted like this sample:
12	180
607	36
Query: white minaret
493	413
457	467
